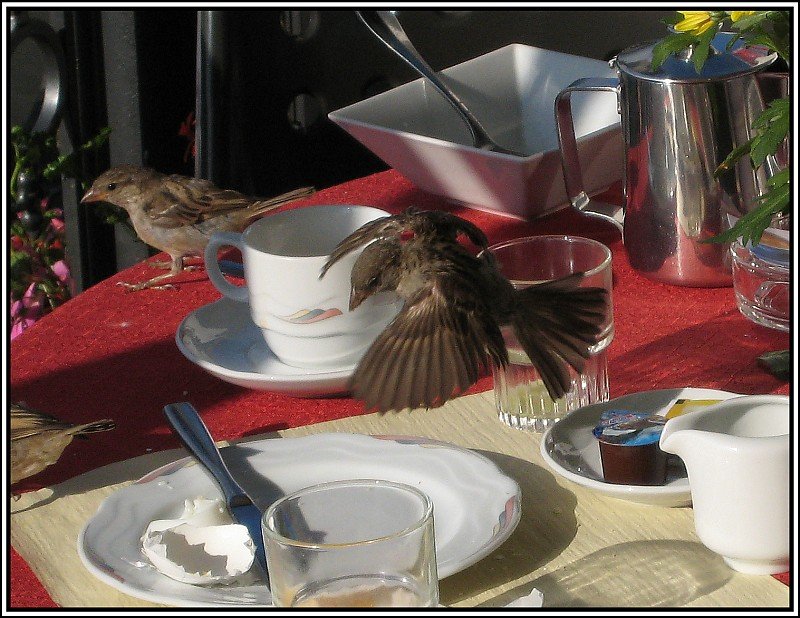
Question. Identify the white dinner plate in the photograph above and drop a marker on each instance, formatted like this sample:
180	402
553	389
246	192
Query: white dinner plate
476	506
222	339
571	450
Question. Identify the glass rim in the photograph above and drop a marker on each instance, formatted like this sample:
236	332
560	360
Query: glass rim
273	534
568	237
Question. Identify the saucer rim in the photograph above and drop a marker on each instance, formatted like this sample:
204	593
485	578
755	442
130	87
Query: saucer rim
676	494
301	377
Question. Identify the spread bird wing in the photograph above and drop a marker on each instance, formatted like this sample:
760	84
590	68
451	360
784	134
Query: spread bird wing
449	226
372	230
432	224
558	321
180	201
434	349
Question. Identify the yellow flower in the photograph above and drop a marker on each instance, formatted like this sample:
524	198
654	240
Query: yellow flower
696	22
737	15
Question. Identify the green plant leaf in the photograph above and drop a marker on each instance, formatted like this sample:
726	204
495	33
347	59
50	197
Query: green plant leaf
670	44
737	37
762	38
751	21
773	127
702	48
98	140
673	19
18	257
751	226
732	158
64	165
777	110
764	145
780	178
20	267
778	363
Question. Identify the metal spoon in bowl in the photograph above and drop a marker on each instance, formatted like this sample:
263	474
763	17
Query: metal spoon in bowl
386	26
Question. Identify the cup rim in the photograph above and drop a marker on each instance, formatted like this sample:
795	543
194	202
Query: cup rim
273	534
568	237
313	207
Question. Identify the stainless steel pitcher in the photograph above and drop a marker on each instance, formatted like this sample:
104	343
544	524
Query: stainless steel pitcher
677	127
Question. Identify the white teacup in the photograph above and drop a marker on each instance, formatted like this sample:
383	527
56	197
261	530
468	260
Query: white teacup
305	320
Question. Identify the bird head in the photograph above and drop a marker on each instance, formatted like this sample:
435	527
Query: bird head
377	269
120	185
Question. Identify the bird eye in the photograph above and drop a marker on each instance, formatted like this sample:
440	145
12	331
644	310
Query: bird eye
373	282
111	186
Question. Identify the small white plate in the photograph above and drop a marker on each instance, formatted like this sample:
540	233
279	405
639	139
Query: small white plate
571	450
222	339
476	506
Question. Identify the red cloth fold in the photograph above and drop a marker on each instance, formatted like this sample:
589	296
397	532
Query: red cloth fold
112	353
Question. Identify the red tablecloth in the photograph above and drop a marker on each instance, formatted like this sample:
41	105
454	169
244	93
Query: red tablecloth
110	353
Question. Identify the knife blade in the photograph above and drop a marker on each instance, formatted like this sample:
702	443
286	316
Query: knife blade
195	436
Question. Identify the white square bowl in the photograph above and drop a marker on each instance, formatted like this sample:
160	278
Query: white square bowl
512	91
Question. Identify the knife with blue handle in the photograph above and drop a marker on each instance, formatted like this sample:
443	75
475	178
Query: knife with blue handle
195	436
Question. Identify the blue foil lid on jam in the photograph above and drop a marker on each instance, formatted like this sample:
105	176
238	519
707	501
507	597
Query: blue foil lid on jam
627	428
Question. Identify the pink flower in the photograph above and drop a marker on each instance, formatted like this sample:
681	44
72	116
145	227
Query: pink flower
57	225
61	270
27	310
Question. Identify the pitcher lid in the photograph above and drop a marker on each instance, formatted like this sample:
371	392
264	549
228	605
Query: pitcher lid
721	64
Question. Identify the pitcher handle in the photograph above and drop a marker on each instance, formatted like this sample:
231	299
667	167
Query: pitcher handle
573	177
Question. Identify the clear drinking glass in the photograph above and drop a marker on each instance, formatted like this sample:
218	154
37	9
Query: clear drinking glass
761	283
358	543
520	396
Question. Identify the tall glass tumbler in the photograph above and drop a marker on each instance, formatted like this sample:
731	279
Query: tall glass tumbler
358	543
520	396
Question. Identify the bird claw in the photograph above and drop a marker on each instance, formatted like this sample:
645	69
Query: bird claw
136	287
161	264
168	265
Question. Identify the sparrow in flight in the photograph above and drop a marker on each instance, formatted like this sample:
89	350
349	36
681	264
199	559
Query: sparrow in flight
456	303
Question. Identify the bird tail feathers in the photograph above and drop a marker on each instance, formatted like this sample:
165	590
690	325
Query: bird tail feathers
94	427
260	207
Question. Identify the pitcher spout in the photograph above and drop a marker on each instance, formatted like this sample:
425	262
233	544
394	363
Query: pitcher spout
675	435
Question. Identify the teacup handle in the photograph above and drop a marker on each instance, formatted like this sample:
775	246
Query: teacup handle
218	240
573	178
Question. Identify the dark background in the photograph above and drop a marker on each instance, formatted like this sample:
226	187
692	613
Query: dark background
262	91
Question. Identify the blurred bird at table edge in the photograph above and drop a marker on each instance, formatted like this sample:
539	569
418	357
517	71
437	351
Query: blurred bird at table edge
178	214
455	305
38	440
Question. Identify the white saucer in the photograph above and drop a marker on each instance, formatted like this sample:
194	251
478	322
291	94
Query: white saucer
222	339
571	450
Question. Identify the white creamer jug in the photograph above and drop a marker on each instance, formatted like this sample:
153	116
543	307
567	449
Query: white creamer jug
737	459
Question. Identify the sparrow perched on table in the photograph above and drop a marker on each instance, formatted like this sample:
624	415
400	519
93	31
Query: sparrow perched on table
178	214
38	439
455	305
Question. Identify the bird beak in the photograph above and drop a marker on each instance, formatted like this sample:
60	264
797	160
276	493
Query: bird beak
356	298
94	195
